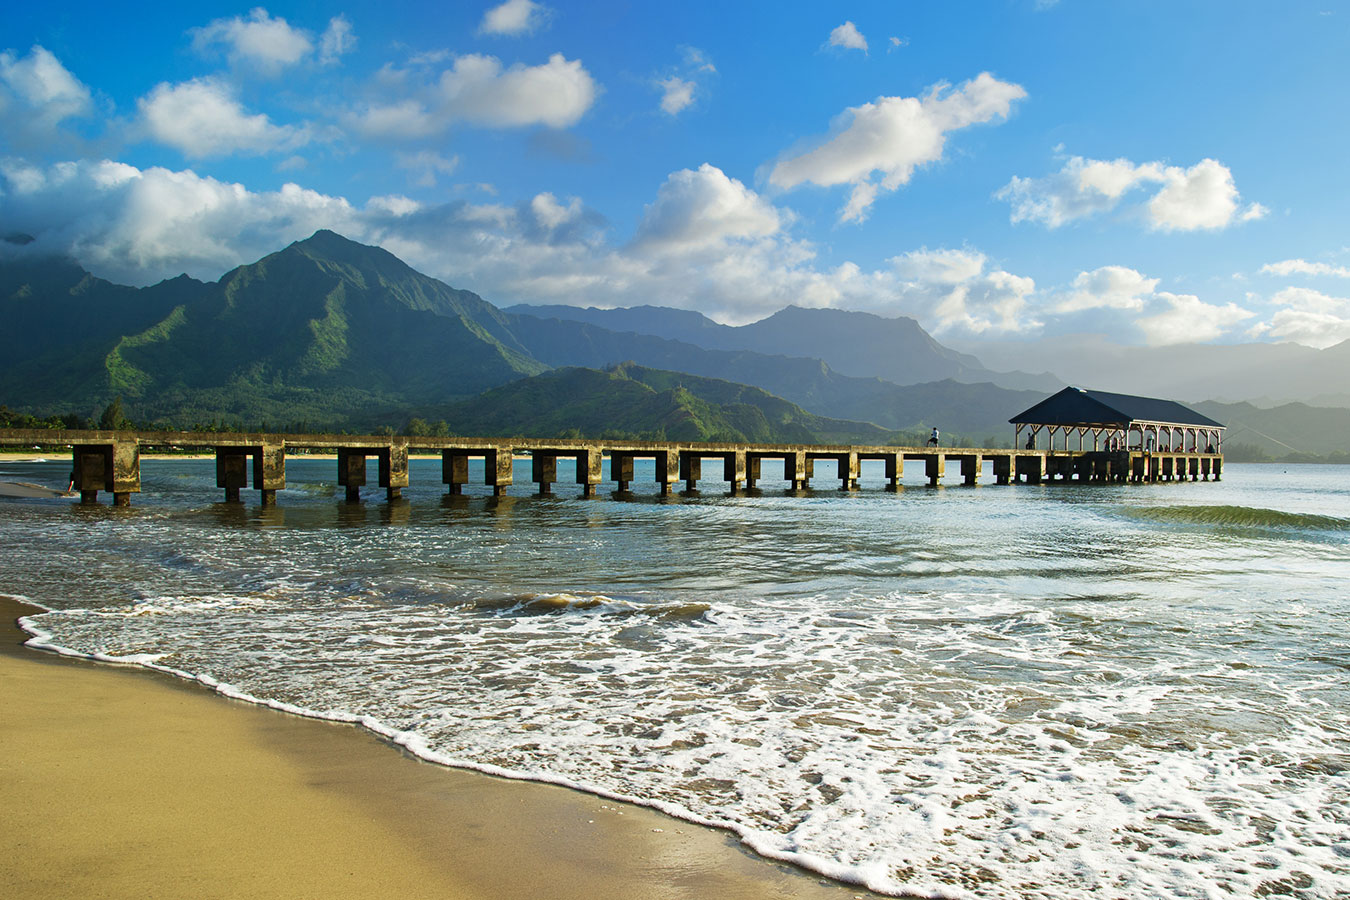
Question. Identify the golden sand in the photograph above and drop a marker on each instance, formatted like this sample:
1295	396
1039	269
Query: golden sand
124	783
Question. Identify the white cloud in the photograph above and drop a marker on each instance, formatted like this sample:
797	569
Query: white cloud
1310	317
697	61
395	205
42	84
1201	197
513	17
849	37
1188	319
338	40
891	137
939	266
425	165
1112	287
269	44
477	90
139	226
705	207
37	94
551	214
678	90
952	291
202	118
1303	267
676	94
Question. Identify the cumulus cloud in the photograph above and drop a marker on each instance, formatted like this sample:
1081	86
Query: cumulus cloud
1202	197
952	290
1308	317
513	17
1303	267
260	41
878	145
1111	287
338	40
37	94
702	208
849	37
138	226
1188	319
202	118
676	94
477	90
43	85
678	90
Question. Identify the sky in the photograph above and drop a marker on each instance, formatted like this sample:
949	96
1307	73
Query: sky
1162	173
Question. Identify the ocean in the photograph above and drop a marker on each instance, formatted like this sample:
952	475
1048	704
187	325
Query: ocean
1052	691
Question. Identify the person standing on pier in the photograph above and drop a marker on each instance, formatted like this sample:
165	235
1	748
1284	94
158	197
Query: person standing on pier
933	438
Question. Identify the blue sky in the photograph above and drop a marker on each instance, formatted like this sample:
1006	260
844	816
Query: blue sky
1161	173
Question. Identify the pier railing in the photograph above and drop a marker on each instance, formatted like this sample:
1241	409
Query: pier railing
109	461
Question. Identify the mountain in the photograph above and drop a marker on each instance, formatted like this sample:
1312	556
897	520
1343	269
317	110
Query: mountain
633	401
851	343
976	409
1265	374
326	330
1291	430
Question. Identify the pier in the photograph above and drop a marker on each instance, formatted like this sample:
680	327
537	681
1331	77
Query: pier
110	461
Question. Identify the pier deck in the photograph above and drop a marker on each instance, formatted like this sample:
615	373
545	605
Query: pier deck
109	461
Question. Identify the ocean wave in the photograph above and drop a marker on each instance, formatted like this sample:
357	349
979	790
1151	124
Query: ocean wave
1237	517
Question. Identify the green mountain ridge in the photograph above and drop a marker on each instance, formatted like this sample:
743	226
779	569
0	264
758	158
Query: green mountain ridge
638	402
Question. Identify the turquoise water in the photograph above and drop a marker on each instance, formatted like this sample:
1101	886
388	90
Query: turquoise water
1018	691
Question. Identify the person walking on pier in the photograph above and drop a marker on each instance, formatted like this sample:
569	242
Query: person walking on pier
933	438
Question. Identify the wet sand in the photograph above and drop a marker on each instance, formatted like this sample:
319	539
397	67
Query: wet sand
125	783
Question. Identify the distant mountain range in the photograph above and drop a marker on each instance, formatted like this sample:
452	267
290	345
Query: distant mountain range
851	343
332	334
1264	374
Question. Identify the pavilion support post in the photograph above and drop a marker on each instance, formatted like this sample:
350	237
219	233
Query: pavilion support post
970	469
895	470
269	471
499	469
232	471
394	469
621	470
589	471
734	469
352	471
1002	468
935	466
454	471
667	469
798	469
543	470
691	470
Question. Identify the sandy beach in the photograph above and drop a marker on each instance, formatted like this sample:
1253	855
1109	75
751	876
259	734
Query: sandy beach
122	783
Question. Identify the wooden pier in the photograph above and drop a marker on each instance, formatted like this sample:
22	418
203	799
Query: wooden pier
109	461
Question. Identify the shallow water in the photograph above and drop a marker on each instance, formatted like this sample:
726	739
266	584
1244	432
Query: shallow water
1019	691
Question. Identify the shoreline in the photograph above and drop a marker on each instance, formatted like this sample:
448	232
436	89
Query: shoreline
126	782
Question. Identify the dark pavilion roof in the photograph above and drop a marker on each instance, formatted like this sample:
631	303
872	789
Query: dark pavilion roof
1075	406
